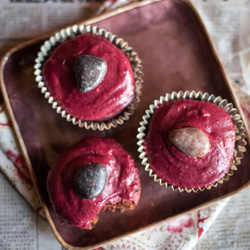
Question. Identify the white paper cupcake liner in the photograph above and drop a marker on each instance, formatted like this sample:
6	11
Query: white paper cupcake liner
69	33
223	103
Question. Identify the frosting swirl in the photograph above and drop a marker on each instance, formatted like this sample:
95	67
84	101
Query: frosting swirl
174	166
115	92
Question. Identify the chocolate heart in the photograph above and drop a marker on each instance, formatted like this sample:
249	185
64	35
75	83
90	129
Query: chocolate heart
191	141
90	180
90	71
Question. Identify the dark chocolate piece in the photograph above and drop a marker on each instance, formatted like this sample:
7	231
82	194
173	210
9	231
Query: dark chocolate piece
90	71
90	180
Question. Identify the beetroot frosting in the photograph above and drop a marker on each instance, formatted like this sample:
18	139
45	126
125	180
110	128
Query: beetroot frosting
177	168
109	98
123	184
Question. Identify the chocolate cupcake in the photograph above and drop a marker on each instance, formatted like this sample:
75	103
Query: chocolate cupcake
90	177
90	76
191	141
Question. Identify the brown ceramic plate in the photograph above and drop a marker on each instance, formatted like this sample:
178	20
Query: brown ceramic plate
177	55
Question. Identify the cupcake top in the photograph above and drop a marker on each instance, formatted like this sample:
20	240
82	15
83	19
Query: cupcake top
90	175
90	78
190	143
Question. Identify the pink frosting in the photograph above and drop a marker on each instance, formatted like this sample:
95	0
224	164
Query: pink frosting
109	98
177	168
123	180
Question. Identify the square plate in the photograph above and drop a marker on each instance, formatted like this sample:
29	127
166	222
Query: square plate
177	54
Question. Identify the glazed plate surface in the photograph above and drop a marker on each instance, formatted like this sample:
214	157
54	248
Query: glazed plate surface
176	55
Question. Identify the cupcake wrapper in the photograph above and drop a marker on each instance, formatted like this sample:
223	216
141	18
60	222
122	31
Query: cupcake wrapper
223	103
69	33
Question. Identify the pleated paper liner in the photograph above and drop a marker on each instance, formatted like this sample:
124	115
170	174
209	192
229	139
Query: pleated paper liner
217	100
67	34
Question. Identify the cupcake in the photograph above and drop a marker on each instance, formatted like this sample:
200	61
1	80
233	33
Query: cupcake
191	141
90	76
92	176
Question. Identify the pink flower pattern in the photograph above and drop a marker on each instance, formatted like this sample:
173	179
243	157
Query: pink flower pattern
179	224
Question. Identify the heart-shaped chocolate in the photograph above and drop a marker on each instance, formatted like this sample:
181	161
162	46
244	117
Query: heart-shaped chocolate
90	71
191	141
90	180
